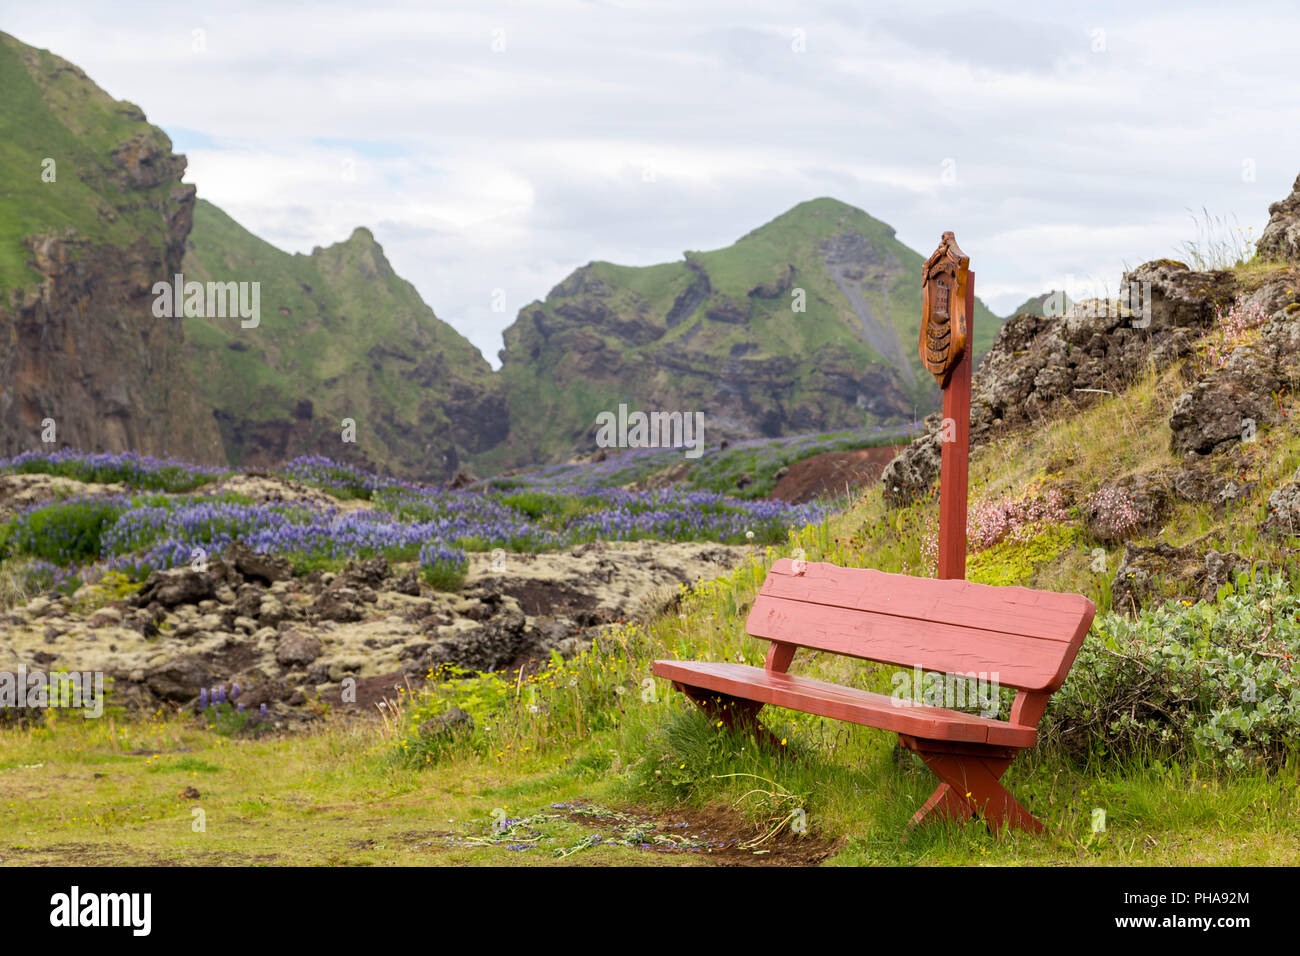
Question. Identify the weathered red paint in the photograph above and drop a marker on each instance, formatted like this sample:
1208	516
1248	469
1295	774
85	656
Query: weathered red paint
1020	637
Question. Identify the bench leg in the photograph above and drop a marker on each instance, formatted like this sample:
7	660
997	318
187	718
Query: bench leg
735	713
971	787
943	803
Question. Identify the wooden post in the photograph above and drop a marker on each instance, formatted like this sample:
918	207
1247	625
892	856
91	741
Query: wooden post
947	329
955	456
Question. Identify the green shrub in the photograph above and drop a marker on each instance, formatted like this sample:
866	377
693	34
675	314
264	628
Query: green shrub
66	531
515	714
1212	681
443	568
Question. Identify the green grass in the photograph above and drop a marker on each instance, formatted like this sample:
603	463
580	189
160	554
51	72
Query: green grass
328	797
334	796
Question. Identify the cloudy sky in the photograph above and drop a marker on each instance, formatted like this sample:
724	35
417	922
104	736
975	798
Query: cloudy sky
497	146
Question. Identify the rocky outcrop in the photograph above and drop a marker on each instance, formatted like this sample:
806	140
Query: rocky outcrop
1149	575
1283	516
1281	237
805	324
1231	403
173	587
916	468
1127	507
779	285
79	344
82	349
1038	364
1095	347
293	639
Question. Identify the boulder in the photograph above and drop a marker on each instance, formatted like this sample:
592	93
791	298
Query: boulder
271	612
1283	515
1196	484
915	469
408	583
1281	237
1127	507
295	648
338	603
1229	404
454	721
488	647
174	587
1150	575
256	566
179	678
369	573
462	479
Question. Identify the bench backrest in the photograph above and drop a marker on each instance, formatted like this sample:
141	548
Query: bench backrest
1027	638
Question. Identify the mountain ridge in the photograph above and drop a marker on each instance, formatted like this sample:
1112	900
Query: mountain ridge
807	322
287	389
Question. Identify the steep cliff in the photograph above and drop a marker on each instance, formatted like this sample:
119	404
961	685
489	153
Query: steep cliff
94	214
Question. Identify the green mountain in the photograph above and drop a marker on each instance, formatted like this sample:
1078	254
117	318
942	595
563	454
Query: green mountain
1037	304
340	336
808	323
92	213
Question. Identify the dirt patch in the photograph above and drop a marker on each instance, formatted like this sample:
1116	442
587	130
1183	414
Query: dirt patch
714	836
831	473
730	838
117	854
548	599
370	691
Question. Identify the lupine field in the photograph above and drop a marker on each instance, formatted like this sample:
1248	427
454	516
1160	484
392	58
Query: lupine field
167	519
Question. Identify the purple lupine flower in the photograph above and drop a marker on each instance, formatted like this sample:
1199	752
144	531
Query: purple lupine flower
263	709
203	698
221	694
234	692
241	708
142	534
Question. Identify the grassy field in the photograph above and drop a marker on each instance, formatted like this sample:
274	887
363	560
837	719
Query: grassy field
598	736
105	793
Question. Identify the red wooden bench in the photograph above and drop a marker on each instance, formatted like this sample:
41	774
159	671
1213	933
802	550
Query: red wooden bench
1021	638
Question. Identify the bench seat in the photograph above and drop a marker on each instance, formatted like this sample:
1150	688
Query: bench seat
1014	637
844	703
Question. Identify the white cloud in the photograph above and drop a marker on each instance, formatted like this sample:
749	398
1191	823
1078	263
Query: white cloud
480	170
